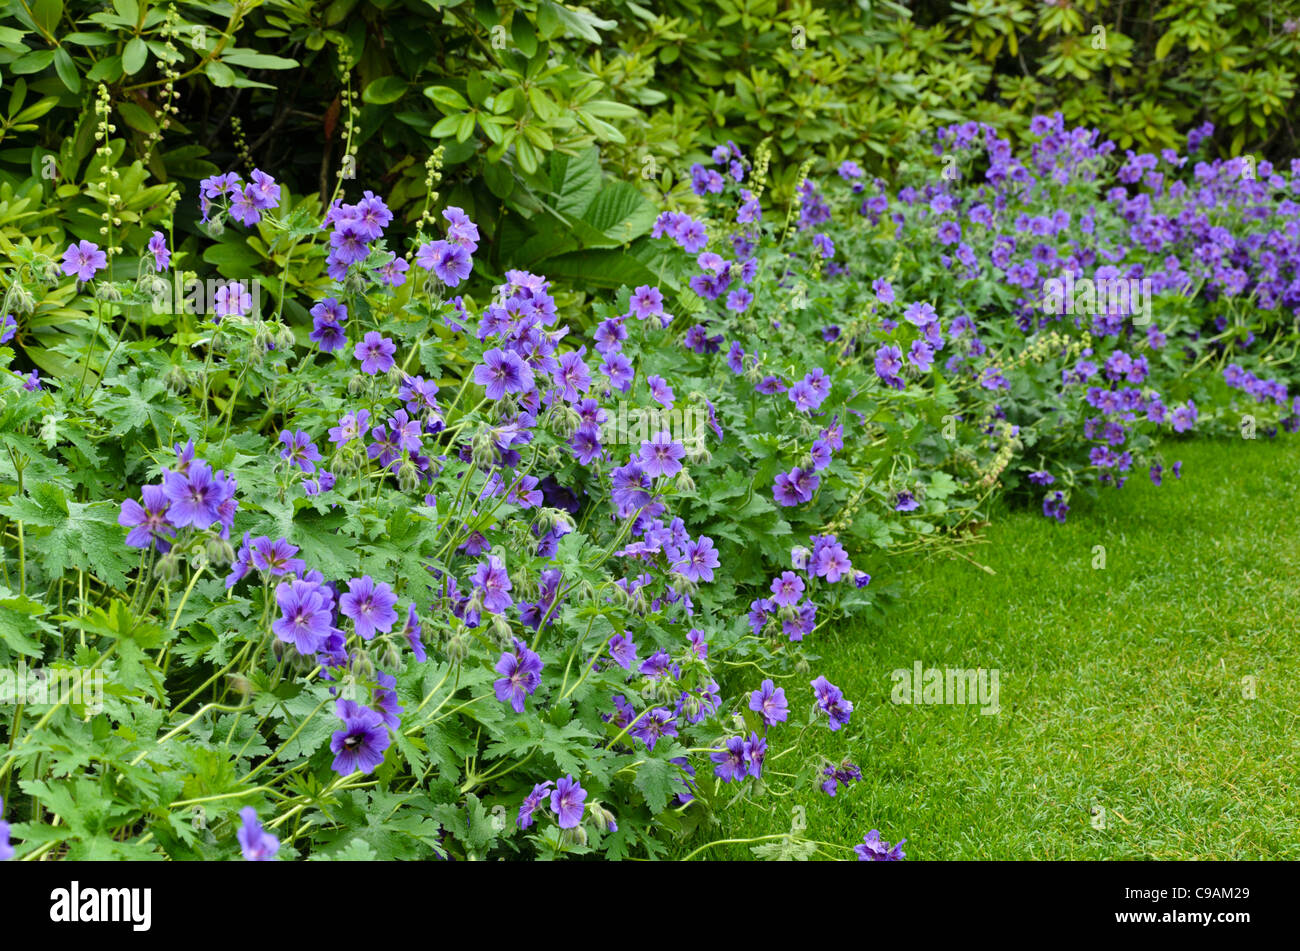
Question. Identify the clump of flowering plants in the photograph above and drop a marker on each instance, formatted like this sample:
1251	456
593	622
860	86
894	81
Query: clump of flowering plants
388	583
371	566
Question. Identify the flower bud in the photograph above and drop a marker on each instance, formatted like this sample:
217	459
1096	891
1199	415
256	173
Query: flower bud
107	291
219	550
457	649
284	339
168	567
240	684
408	477
602	817
176	380
501	632
22	300
363	668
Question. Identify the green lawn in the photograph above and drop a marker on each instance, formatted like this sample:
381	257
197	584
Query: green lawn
1120	688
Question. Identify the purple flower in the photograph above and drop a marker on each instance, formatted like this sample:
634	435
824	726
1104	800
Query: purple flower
623	650
697	559
770	703
299	450
350	427
906	502
732	761
360	745
412	632
521	674
502	372
84	259
659	722
889	361
194	496
162	257
256	843
232	299
369	605
460	230
148	522
375	353
830	700
305	620
6	850
787	589
274	557
566	802
491	579
660	456
875	849
660	391
646	302
531	802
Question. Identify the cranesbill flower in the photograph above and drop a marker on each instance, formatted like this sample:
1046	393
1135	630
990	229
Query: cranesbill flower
889	361
660	391
375	353
657	723
491	578
158	248
84	259
521	674
697	559
831	562
646	302
256	843
830	700
350	427
531	802
413	633
148	522
769	702
875	849
274	557
460	230
299	450
660	456
787	589
905	501
6	850
232	299
731	761
566	802
369	605
385	700
193	496
453	263
360	745
502	372
623	650
304	620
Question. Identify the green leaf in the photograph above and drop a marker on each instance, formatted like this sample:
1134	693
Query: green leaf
447	98
67	70
19	620
657	781
384	90
136	117
134	56
220	74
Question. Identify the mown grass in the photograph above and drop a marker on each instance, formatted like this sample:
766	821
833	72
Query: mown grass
1120	687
